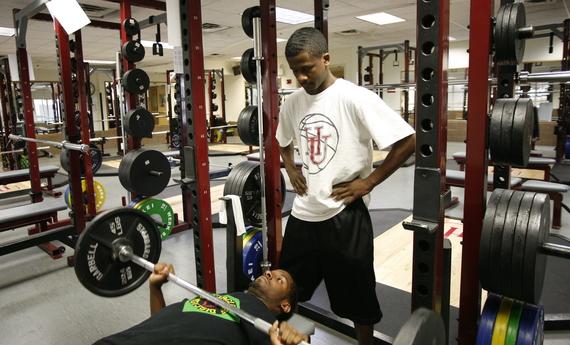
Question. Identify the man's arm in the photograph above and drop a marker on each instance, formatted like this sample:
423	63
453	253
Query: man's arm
155	282
350	191
295	176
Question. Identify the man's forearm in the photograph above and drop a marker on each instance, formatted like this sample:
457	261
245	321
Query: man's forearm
156	299
287	154
400	151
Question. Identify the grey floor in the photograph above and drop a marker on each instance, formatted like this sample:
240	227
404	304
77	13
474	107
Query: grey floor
41	301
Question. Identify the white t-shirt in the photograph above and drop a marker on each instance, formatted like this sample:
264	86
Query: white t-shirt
334	130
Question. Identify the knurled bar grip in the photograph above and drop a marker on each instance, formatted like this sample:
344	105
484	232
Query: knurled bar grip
59	145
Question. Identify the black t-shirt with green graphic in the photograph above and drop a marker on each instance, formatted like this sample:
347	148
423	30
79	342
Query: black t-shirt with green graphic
198	321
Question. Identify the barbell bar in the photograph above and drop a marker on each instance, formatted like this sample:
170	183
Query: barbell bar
124	232
22	150
60	145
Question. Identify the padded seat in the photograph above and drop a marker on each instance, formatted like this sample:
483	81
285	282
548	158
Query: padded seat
534	163
14	217
20	175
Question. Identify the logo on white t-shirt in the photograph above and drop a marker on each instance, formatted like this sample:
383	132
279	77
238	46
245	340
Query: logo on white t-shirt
319	141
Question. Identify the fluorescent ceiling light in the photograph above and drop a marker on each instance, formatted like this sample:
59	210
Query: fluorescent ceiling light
278	40
69	14
149	44
452	38
100	62
284	15
381	18
237	58
7	31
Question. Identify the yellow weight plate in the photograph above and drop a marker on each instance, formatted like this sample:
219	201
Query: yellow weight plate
100	194
502	322
248	235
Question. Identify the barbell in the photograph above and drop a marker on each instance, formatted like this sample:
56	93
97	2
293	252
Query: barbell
118	238
60	145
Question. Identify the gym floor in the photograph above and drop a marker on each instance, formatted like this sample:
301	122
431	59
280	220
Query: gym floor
43	303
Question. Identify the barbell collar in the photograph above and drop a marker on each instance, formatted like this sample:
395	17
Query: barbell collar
126	254
553	249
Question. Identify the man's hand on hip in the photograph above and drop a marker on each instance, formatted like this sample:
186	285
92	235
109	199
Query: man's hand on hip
298	181
348	192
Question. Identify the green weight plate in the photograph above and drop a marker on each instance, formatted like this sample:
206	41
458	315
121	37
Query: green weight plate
159	210
506	242
96	254
517	267
486	264
513	327
534	259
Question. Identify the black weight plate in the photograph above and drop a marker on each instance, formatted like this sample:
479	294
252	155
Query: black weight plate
534	260
247	66
131	27
500	44
424	327
519	21
247	19
248	126
522	131
510	13
486	264
517	267
507	144
96	264
495	249
135	81
144	172
495	129
506	251
139	123
133	51
96	158
244	181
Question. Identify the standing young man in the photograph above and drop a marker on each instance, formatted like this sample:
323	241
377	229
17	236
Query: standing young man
329	233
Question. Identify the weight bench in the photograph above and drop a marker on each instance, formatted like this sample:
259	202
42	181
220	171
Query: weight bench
534	163
554	190
48	172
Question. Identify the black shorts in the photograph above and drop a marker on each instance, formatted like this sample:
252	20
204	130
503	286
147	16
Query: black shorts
340	251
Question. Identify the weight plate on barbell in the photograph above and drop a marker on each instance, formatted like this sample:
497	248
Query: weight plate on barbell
135	81
145	172
487	321
98	189
531	325
247	19
514	320
248	126
509	48
496	237
517	254
502	322
139	123
159	210
247	66
534	260
522	129
253	254
94	152
510	131
506	238
424	327
495	148
486	265
97	264
244	181
507	129
133	51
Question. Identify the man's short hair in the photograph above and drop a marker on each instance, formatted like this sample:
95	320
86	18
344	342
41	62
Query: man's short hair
308	40
293	299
